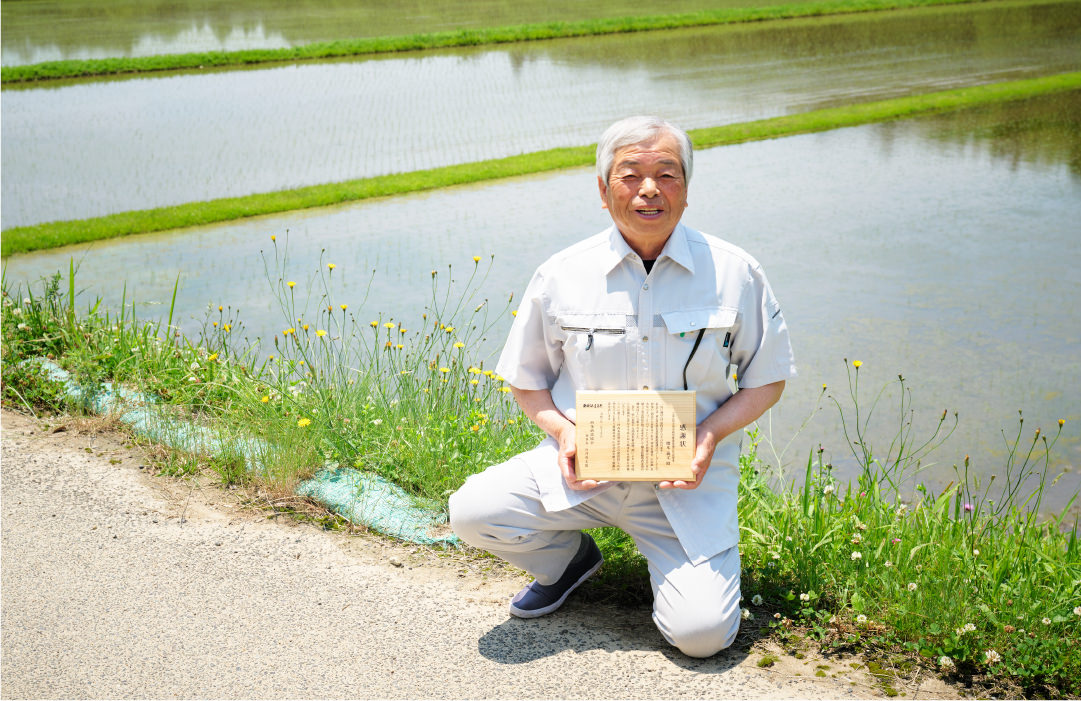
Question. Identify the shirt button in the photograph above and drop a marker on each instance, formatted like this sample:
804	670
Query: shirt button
645	286
645	338
645	386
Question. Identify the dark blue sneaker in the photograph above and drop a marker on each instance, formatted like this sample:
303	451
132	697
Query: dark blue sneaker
539	599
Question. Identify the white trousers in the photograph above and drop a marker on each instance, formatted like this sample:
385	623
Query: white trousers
696	608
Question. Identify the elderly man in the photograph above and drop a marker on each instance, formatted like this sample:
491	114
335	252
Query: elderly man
647	304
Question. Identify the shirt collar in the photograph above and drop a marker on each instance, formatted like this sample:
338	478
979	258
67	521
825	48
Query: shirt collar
676	248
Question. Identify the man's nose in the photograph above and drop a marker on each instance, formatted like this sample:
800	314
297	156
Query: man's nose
649	188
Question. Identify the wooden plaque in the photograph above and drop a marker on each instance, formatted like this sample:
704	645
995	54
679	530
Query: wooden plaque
634	435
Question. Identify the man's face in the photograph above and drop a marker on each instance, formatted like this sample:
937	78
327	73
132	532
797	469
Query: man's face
646	192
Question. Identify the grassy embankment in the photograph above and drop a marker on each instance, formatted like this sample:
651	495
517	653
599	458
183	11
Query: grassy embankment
54	70
53	234
969	583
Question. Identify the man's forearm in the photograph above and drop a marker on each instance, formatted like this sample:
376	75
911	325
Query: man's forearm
541	410
741	410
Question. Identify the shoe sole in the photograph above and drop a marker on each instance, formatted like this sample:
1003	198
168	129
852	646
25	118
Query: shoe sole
537	613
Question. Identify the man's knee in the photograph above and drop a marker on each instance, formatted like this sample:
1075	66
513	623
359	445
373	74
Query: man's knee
469	513
700	631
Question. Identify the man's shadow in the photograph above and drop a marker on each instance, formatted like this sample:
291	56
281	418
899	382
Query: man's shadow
581	626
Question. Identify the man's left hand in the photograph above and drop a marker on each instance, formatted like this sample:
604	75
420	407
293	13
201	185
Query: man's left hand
705	444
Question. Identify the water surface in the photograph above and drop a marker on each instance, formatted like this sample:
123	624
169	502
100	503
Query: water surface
944	249
50	30
93	148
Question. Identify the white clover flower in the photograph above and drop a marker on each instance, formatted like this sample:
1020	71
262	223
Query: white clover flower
756	599
804	597
976	553
1077	610
194	366
827	490
991	657
16	311
857	555
746	614
912	586
776	556
945	662
22	327
861	619
376	422
857	539
26	301
889	564
1046	621
967	628
777	616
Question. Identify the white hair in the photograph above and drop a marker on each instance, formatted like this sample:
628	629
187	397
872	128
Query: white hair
638	130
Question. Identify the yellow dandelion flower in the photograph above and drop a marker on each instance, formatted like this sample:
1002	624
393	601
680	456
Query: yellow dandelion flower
499	378
857	363
474	371
300	363
331	266
474	428
305	327
444	370
514	312
320	333
459	344
374	324
450	329
212	357
389	325
273	237
488	373
504	389
227	327
400	346
215	323
474	382
291	284
304	422
270	357
330	308
476	259
344	306
1061	423
401	329
288	331
219	307
388	344
265	398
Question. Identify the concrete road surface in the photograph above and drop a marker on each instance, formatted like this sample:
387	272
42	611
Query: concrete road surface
116	584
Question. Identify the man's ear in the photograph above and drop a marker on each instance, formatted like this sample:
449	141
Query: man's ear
603	187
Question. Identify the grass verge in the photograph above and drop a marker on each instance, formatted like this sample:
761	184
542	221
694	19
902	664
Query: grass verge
53	234
969	583
54	70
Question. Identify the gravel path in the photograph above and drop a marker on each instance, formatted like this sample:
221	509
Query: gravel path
118	584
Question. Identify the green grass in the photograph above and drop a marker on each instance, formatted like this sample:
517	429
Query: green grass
53	70
974	584
53	234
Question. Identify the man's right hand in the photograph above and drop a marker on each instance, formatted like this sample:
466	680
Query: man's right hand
567	451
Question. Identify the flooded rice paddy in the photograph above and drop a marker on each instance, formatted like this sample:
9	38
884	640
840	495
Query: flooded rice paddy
91	148
50	30
944	249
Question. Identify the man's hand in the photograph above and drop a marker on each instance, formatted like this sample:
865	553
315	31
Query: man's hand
704	445
567	452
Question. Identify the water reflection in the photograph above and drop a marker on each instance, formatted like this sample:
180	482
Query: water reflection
48	30
944	249
93	148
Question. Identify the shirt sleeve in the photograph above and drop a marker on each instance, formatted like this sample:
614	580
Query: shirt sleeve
532	357
761	348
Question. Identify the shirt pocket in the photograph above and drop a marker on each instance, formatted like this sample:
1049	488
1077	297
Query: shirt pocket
704	365
594	349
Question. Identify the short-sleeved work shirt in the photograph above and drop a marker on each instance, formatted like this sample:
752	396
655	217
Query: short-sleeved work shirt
592	318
